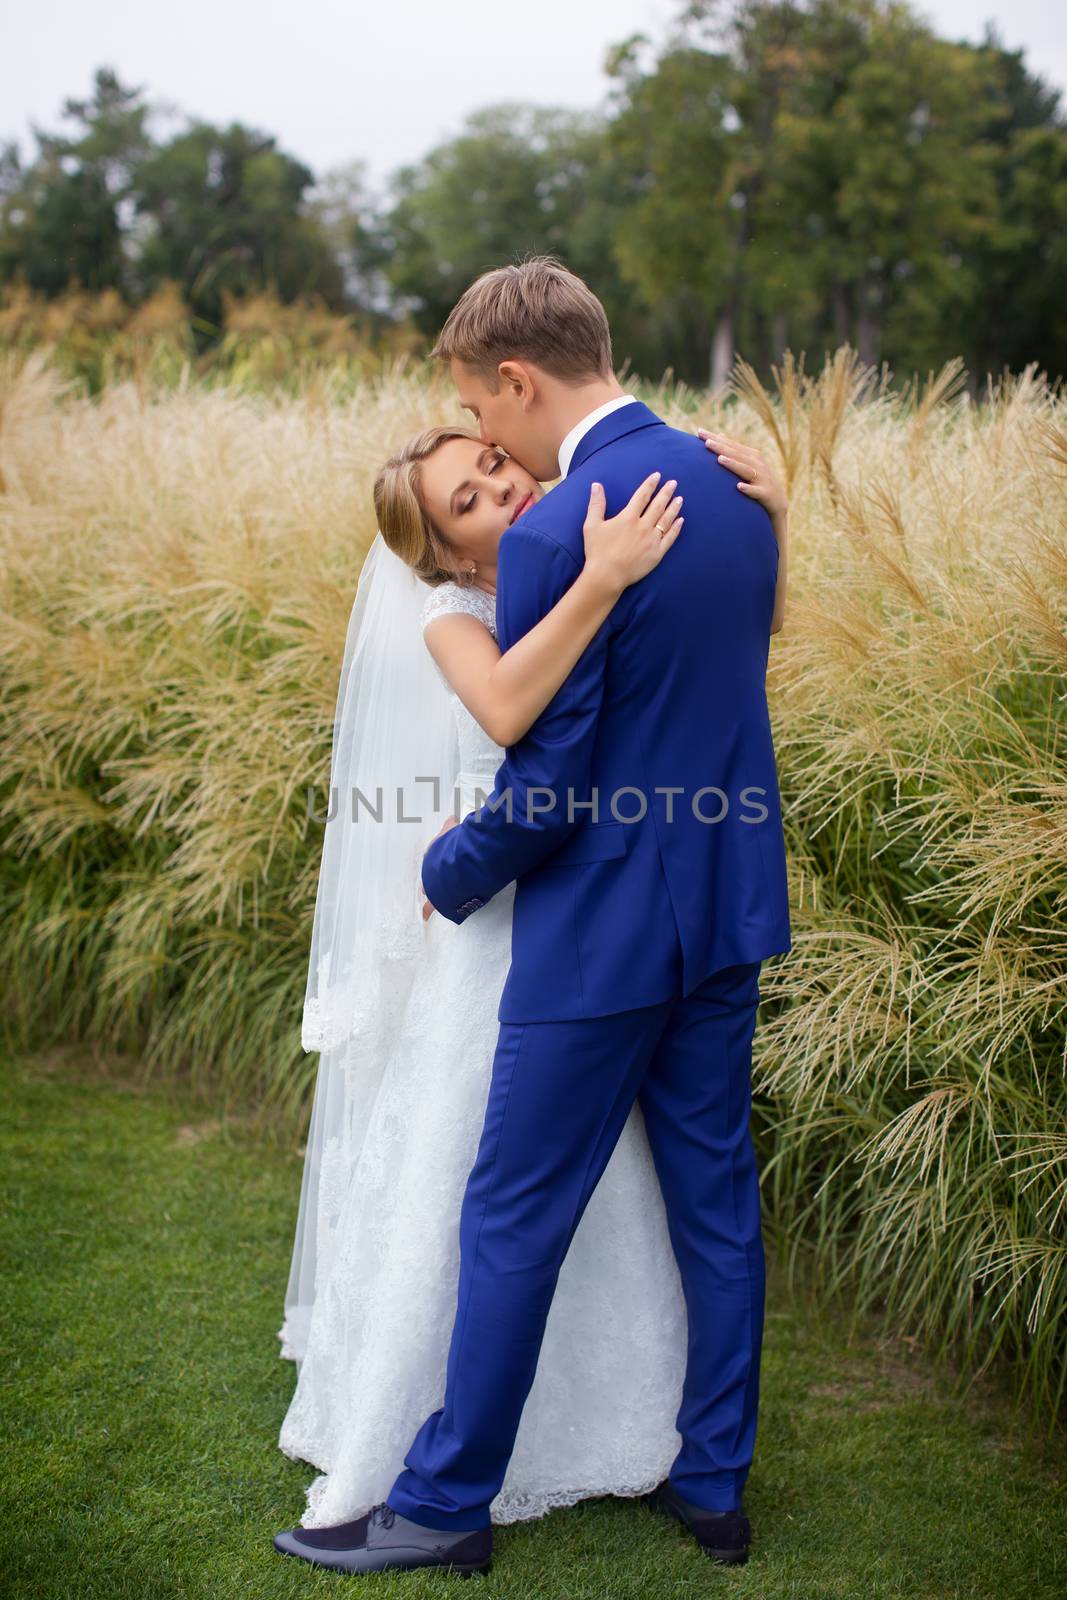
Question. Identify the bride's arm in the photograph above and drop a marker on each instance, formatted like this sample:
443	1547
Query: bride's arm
507	693
758	481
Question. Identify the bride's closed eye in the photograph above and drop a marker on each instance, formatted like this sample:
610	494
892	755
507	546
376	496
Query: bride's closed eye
498	461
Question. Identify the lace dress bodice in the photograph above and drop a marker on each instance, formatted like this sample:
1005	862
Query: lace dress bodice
479	756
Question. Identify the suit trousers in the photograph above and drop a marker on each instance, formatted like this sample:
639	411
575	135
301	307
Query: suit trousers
558	1100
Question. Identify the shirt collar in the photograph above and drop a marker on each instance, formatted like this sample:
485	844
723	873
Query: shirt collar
570	443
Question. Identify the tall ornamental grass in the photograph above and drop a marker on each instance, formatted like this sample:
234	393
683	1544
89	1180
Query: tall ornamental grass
178	563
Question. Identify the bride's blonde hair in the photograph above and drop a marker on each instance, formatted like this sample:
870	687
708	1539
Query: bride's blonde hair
406	525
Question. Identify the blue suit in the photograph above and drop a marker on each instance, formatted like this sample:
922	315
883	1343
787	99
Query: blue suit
669	693
636	948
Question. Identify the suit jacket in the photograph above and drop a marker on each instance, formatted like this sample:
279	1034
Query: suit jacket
670	694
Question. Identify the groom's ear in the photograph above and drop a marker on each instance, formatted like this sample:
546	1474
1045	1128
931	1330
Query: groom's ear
518	378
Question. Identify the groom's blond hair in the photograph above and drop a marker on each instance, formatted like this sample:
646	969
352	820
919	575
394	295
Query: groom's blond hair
534	310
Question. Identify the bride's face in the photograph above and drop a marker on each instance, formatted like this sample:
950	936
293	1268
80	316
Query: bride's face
473	491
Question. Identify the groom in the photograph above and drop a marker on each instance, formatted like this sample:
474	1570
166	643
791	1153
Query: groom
641	817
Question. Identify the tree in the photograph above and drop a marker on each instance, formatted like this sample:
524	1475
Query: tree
62	217
517	180
1020	264
499	190
345	214
913	187
224	211
672	136
807	172
107	207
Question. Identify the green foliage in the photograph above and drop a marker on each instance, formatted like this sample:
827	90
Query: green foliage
224	208
61	217
677	159
1022	262
504	187
214	210
772	174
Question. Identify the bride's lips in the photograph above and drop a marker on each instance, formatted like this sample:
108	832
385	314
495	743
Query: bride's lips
526	500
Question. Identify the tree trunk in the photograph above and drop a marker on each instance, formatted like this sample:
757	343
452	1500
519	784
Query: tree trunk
722	350
839	313
779	336
868	322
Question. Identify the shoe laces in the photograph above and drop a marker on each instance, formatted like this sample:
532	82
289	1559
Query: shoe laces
383	1513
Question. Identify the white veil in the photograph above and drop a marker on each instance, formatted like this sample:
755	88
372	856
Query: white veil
395	755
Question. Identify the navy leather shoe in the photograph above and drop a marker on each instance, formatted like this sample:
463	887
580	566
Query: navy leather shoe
723	1535
382	1541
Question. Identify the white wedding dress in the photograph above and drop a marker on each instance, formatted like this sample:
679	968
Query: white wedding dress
372	1348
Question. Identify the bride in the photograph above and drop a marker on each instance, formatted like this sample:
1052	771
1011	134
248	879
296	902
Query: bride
402	1006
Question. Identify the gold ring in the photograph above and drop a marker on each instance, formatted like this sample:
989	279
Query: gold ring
661	528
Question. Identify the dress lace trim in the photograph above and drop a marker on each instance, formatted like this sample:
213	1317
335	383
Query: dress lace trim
448	599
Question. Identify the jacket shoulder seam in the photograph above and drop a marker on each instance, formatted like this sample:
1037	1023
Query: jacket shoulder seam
529	527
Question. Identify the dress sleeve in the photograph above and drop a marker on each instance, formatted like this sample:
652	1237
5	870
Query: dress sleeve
524	818
453	599
443	600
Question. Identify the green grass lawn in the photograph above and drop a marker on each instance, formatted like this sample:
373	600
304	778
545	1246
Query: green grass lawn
147	1246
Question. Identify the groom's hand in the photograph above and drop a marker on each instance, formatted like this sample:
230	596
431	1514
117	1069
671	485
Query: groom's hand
427	908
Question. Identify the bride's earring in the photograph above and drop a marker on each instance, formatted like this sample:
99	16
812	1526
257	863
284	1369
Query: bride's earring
468	573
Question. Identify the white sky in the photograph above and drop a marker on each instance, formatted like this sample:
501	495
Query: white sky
381	81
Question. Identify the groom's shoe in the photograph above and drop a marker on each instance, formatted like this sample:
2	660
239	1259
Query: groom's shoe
382	1540
723	1535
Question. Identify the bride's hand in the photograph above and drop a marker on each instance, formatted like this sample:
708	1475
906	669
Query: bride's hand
621	549
427	907
758	479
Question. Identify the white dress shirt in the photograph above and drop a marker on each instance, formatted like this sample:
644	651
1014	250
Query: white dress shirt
570	443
